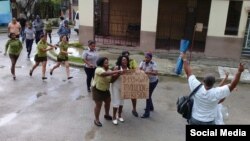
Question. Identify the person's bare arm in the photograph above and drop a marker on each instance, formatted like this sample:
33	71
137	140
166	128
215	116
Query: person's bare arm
236	79
223	81
186	66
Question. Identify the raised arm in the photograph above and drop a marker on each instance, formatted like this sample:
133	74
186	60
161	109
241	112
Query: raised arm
186	66
236	79
223	81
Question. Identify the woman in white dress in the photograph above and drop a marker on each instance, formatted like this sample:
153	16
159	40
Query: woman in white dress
117	102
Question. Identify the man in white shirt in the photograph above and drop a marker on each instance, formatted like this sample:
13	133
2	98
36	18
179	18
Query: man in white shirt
207	97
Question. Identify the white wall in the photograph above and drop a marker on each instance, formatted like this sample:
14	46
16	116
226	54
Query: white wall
149	15
86	12
218	19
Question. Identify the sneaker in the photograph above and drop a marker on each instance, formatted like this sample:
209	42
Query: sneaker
115	122
135	113
43	78
30	73
121	119
89	90
51	72
107	117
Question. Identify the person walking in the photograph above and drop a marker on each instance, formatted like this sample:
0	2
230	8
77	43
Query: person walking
64	30
29	38
48	28
207	97
150	68
41	55
13	47
14	27
132	65
100	88
117	102
89	58
62	57
38	26
22	20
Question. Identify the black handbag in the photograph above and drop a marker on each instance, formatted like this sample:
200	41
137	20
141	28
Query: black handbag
185	104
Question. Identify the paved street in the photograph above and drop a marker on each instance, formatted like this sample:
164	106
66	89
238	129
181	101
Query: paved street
60	110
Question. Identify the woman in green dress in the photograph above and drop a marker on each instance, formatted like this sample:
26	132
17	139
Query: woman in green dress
13	47
63	56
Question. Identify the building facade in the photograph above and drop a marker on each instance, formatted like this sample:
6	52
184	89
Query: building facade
217	28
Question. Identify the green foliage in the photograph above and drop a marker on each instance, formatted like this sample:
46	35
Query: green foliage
55	22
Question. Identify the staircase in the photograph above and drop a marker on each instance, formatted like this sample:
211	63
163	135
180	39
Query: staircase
245	53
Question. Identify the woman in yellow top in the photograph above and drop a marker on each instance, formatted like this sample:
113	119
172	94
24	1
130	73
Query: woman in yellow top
100	90
63	56
14	48
41	55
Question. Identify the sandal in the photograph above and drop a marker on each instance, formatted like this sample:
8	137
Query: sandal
98	123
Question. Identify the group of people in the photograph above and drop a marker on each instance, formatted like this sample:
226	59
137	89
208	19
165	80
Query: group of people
106	82
35	30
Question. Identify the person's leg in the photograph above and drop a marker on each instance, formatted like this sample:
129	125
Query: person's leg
13	59
50	37
134	112
67	70
107	107
149	102
56	66
98	106
44	63
89	77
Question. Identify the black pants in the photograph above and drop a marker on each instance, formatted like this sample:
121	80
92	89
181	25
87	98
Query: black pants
37	35
29	43
149	102
90	72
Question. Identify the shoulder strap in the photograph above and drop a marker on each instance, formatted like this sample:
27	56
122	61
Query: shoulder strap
195	90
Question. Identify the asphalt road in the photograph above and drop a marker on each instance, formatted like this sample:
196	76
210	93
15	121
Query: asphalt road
62	110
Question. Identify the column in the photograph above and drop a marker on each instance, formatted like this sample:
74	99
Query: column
148	24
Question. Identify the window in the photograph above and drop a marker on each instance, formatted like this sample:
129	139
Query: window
233	17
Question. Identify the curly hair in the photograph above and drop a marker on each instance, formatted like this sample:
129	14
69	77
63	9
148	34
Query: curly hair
101	61
119	60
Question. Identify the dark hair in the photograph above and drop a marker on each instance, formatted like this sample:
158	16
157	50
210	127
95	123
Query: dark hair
90	42
124	53
209	80
61	18
11	34
63	36
42	35
100	61
119	61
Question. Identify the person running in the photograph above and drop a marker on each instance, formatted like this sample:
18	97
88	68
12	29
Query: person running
132	65
117	102
63	56
13	47
14	27
29	38
150	68
100	88
64	30
41	55
48	28
89	58
207	97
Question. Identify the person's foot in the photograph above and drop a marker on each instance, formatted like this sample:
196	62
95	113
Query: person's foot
43	78
51	72
121	119
70	77
98	123
145	115
30	72
115	122
135	113
89	90
107	117
151	109
14	77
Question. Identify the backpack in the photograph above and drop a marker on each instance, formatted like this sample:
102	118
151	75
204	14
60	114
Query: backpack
185	104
